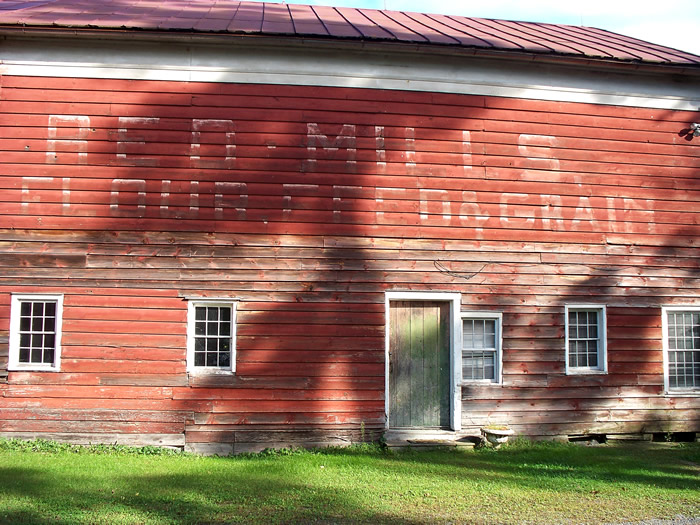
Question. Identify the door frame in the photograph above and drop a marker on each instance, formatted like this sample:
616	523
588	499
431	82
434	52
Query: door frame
455	301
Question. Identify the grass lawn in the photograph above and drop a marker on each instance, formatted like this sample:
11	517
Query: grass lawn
536	483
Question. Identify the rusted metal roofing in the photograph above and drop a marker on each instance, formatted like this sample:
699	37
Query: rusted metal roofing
255	18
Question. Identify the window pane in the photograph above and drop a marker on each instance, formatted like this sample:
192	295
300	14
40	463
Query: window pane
200	313
49	324
36	355
212	313
684	350
50	310
26	309
48	355
490	334
225	313
37	324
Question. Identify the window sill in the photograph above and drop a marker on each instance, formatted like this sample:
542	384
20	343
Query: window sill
682	393
211	372
16	368
477	382
586	372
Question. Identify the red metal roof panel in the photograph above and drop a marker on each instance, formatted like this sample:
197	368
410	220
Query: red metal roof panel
248	18
532	33
306	21
441	24
276	19
423	26
335	24
645	50
343	23
399	31
364	25
519	38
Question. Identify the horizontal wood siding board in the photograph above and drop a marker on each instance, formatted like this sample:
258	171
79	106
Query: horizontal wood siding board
91	438
305	209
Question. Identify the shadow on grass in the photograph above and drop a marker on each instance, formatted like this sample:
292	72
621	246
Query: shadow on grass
527	466
225	496
337	486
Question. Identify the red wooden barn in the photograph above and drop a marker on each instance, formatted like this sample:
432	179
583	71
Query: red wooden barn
233	225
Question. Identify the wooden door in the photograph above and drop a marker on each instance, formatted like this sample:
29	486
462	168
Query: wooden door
419	364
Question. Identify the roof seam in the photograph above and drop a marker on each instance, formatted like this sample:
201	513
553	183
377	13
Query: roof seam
385	29
291	18
536	28
348	21
386	14
646	47
561	30
408	15
527	37
320	20
475	20
486	42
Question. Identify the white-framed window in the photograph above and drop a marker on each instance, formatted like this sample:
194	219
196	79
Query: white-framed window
211	336
481	347
681	329
586	340
35	332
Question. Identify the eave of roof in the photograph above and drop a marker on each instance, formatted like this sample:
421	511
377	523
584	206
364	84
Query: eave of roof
182	19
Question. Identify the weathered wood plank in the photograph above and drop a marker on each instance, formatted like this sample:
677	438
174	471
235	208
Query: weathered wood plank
90	438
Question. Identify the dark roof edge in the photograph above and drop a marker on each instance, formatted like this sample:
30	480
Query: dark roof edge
345	44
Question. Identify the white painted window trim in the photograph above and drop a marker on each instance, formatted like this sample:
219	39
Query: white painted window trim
602	367
15	314
498	316
664	337
207	301
455	300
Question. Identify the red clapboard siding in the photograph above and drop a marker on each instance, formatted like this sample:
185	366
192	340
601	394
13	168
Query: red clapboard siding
328	198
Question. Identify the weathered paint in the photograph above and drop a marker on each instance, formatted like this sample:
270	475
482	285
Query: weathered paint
306	210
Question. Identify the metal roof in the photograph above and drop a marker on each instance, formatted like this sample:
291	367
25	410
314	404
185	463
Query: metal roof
255	18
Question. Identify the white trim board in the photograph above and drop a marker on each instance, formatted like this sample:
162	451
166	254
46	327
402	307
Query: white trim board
241	63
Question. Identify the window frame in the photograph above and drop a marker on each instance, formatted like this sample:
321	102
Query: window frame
693	391
498	362
602	367
192	304
14	364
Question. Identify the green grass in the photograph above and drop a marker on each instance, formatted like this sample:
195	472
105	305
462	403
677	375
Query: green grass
537	483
